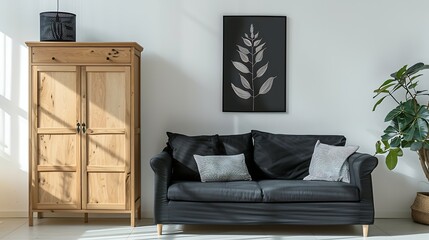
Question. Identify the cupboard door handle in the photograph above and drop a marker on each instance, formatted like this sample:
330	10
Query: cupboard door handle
78	127
83	128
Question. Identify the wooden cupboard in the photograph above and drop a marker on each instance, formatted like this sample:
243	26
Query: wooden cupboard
84	122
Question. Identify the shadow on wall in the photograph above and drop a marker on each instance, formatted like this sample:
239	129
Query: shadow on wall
394	191
175	99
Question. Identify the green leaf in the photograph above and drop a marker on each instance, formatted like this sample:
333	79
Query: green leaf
391	129
410	107
378	149
404	122
376	95
409	134
396	142
388	81
392	159
406	144
426	145
386	144
414	77
423	113
400	152
416	146
413	85
416	68
384	88
388	136
378	103
390	132
421	129
400	73
392	114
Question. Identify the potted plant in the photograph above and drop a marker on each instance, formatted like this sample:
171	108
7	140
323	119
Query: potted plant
408	128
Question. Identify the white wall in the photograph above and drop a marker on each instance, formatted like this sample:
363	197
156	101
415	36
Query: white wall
338	51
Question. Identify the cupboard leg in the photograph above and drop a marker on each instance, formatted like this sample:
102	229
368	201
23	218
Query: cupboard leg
85	217
30	218
133	219
365	230
139	212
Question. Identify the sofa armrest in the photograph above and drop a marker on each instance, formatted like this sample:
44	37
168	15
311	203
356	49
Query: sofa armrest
161	165
361	167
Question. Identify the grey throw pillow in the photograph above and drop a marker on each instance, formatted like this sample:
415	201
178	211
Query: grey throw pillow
329	163
222	168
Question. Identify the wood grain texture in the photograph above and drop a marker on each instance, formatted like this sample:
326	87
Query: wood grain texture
106	150
106	97
106	189
56	97
57	150
81	55
134	45
58	190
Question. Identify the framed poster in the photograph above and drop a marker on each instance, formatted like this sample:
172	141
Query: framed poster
254	64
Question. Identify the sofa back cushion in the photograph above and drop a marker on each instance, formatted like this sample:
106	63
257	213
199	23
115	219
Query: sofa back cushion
182	150
240	143
282	156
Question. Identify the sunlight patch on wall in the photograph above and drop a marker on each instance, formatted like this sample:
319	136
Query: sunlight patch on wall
5	94
5	146
5	66
23	80
23	156
13	102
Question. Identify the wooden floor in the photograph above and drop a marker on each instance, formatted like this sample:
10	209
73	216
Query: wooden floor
103	229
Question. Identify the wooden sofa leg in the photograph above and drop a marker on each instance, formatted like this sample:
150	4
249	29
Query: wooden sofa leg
365	230
159	229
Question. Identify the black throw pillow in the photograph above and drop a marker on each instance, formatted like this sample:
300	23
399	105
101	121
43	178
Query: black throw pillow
282	156
240	143
184	147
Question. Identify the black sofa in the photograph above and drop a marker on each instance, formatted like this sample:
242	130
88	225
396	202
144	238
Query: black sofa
276	195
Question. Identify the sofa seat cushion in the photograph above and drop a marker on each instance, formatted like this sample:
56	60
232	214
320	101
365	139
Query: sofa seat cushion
307	191
239	191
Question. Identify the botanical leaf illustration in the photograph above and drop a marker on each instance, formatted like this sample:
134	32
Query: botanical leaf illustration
243	57
250	67
266	87
259	56
247	42
244	81
260	47
240	92
262	70
244	50
241	67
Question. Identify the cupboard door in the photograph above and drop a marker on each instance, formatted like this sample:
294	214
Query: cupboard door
56	143
106	160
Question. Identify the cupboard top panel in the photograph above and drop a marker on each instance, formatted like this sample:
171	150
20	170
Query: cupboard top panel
81	55
134	45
